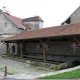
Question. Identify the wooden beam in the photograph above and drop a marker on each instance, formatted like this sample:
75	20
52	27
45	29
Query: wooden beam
47	41
76	40
7	48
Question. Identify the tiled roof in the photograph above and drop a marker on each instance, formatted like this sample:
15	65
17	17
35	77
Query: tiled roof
27	26
17	21
35	18
63	30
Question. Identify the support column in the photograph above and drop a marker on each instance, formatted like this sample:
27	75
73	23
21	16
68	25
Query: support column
18	49
21	51
7	48
44	48
44	54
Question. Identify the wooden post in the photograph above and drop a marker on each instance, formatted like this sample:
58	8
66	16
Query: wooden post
5	71
7	50
21	51
44	48
44	54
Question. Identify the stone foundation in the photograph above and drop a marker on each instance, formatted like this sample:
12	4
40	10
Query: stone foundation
53	65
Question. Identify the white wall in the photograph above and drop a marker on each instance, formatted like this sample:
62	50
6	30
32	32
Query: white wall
40	24
9	27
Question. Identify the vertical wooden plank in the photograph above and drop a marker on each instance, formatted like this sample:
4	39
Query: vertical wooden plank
7	50
44	49
21	50
18	49
44	54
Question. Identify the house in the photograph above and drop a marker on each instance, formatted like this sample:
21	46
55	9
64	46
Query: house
73	18
11	25
59	43
34	22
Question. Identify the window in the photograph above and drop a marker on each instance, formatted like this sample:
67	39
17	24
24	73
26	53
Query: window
5	24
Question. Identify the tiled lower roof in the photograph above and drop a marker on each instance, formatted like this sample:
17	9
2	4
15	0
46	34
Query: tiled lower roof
17	21
35	18
62	30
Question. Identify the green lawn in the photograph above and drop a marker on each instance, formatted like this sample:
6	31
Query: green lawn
65	75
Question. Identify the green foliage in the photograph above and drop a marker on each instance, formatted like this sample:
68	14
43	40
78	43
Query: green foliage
66	75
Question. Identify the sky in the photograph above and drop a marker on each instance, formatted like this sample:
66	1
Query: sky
53	12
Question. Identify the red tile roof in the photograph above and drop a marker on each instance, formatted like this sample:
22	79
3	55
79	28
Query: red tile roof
63	30
27	26
17	21
35	18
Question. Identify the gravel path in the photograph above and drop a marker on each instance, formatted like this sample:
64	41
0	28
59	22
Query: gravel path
26	71
1	75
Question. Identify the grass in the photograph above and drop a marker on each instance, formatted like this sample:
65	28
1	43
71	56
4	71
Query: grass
66	75
10	70
13	71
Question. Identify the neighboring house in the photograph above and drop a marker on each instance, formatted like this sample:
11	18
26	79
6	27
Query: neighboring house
11	25
34	22
73	18
59	43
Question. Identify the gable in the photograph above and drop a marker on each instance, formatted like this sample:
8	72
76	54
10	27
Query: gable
76	16
15	20
68	20
6	26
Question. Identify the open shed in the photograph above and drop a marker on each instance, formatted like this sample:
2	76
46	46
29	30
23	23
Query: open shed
59	43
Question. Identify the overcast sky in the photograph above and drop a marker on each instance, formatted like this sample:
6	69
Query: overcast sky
53	12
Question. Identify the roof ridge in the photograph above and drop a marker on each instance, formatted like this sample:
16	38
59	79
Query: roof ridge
34	18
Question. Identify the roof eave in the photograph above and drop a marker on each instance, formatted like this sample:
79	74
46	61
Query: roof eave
43	37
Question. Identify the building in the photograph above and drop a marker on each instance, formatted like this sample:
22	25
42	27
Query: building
73	18
59	43
34	22
11	25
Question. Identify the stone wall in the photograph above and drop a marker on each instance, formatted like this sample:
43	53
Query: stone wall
54	47
34	25
57	50
76	16
6	26
7	29
2	48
